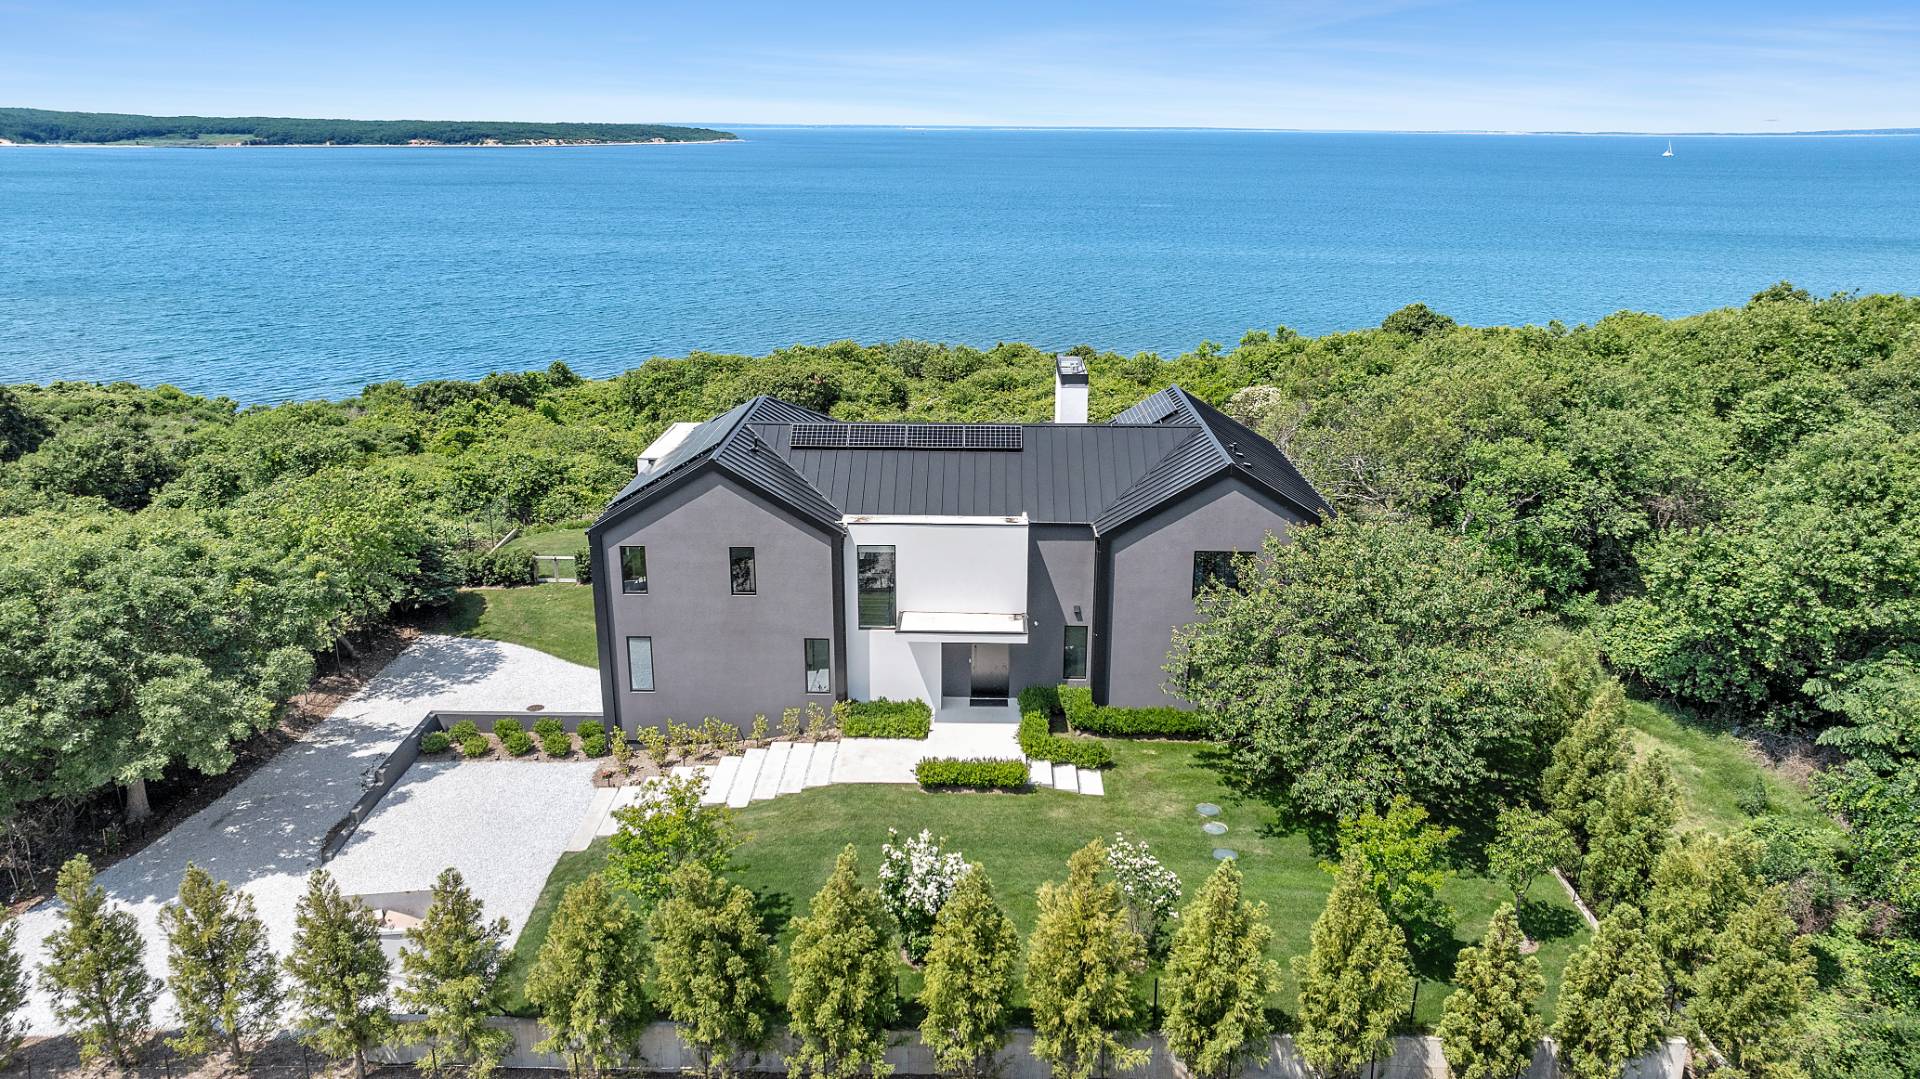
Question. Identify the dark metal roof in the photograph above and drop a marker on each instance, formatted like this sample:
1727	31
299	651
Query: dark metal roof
1225	444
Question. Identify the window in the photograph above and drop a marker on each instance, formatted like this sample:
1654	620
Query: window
1073	660
740	570
819	665
1212	566
640	664
633	569
875	570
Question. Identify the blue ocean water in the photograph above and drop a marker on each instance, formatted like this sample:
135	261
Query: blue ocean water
268	274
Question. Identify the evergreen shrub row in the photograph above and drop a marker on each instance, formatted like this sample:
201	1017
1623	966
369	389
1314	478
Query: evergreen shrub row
882	718
1089	718
974	773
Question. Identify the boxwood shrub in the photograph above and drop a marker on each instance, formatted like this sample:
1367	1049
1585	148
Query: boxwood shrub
1076	703
1038	741
593	740
475	745
973	773
882	718
435	742
547	725
1042	699
518	743
463	730
504	727
556	744
1143	723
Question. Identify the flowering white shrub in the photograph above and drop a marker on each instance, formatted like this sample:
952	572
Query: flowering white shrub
1152	890
916	877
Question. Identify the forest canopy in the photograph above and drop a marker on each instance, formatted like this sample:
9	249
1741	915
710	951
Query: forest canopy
47	126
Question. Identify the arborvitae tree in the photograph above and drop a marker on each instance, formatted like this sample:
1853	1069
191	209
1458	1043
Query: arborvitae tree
1080	968
1630	834
1218	978
1489	1026
841	971
1527	844
971	971
1698	885
96	970
588	981
226	985
1586	760
1609	1004
450	977
339	974
13	992
1749	998
1354	980
713	967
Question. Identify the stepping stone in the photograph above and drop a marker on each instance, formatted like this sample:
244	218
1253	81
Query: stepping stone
1207	809
1040	773
1091	782
820	766
681	771
794	776
742	790
767	784
1221	854
589	825
622	798
721	781
1214	827
1066	777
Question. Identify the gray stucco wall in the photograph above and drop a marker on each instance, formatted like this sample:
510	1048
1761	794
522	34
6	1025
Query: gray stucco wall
1060	567
1152	577
715	653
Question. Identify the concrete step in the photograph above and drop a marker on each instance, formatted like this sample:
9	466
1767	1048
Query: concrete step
589	825
820	765
767	784
751	764
721	781
794	776
1066	778
1040	773
1092	782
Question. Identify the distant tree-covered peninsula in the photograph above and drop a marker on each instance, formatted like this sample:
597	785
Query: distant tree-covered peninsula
46	126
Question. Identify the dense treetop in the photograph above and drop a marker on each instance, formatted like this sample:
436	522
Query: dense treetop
44	126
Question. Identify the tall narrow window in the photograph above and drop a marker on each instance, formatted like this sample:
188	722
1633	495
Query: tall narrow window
640	664
875	570
740	571
1073	659
633	569
819	665
1212	566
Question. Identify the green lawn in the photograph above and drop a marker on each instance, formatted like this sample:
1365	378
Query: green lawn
1024	839
555	618
548	539
1715	769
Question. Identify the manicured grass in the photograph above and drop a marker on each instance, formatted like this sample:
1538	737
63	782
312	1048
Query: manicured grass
1024	839
555	618
550	540
1715	769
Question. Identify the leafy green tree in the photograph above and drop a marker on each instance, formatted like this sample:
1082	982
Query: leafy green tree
225	982
1489	1026
1752	995
338	974
970	975
713	967
588	981
1354	980
1527	844
115	462
841	972
1320	668
1608	1010
13	992
1405	862
1699	883
96	971
1416	320
1634	828
21	429
1588	758
1218	978
672	828
1080	966
450	977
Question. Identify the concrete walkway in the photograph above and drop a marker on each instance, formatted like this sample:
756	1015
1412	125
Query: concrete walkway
264	835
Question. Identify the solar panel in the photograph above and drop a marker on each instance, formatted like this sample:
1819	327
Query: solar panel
993	437
901	436
819	436
943	437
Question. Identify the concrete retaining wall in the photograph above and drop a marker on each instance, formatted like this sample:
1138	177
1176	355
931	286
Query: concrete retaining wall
1413	1058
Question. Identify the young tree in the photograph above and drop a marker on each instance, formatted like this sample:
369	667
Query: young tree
713	967
1586	760
969	980
13	992
1354	980
1218	978
588	980
1404	860
96	971
841	973
1526	845
1750	997
339	974
450	977
1080	967
666	831
1489	1026
1698	885
1632	831
1609	1004
226	985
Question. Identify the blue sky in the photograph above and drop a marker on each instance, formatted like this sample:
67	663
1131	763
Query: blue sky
1370	64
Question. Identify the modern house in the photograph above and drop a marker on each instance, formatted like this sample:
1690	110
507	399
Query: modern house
774	557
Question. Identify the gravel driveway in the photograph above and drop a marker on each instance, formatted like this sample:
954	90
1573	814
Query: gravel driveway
264	835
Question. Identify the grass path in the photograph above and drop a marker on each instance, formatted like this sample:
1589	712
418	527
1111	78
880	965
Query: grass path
1717	770
555	618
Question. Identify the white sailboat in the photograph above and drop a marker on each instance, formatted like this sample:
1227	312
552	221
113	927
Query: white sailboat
1669	152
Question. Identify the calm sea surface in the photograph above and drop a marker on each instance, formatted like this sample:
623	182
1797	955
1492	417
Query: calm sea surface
267	274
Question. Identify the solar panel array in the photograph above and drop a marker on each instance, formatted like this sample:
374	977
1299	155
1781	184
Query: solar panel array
906	436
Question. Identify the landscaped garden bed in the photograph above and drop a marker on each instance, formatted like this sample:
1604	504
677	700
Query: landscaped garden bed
883	718
508	738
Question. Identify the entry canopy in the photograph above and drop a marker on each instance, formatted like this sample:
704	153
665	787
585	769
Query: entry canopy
964	626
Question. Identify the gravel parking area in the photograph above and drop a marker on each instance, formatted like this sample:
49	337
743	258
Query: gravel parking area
264	835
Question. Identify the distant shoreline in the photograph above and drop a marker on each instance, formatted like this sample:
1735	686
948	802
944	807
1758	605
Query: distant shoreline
134	145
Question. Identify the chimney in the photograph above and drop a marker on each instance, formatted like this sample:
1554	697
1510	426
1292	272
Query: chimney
1069	389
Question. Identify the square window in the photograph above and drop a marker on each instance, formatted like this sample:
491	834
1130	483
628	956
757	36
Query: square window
1073	660
1210	567
819	665
740	571
874	568
633	570
640	664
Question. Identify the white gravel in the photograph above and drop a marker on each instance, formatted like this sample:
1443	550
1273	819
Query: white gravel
264	835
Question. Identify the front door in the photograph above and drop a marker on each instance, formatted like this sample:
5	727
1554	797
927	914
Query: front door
990	671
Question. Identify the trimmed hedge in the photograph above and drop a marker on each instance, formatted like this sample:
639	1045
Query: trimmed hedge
463	730
475	745
882	718
1038	741
1087	717
518	743
1076	703
435	742
556	744
971	773
1042	699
